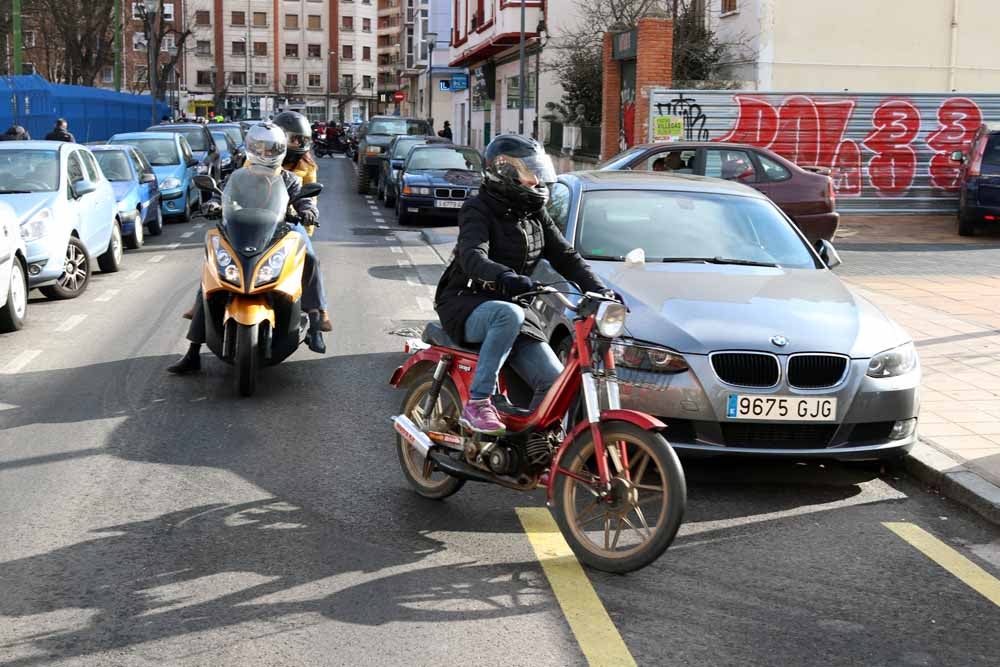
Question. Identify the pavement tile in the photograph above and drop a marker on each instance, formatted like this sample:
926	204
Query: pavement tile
960	443
943	430
983	428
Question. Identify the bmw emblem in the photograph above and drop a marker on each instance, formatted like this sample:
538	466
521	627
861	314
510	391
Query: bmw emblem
779	341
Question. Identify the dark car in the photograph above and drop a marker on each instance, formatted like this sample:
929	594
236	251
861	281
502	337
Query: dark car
234	130
436	180
231	155
376	135
390	169
979	198
202	145
807	197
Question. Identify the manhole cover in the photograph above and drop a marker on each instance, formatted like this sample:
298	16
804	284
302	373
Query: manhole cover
370	231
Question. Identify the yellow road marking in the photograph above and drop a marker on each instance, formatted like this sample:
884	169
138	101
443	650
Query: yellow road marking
588	619
968	572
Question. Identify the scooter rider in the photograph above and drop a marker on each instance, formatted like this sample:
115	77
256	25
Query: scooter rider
266	146
503	233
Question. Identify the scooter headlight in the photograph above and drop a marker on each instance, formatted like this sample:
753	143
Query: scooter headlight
271	268
611	319
224	263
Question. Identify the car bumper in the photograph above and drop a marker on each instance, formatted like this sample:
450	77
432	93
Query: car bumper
424	206
373	161
819	225
979	214
693	404
46	260
173	202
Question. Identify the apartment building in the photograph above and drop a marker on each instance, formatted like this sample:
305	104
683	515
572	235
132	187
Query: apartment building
429	85
391	22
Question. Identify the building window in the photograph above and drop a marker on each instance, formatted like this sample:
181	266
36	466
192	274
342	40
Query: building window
291	80
108	75
291	50
367	83
366	53
366	25
315	51
203	17
347	52
138	41
238	18
292	21
239	48
514	93
260	19
203	47
260	48
260	78
315	22
315	81
347	83
348	24
28	38
140	74
168	44
238	78
729	6
204	78
168	11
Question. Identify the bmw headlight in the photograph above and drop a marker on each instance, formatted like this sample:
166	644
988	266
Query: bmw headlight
270	269
611	319
226	267
36	226
651	358
473	192
170	183
891	363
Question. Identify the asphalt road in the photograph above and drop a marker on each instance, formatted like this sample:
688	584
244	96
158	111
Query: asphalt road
149	519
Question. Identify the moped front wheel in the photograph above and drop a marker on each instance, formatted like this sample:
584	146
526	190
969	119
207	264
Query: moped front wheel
443	418
629	525
247	352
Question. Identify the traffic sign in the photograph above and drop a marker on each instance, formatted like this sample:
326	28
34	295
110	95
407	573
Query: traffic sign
398	96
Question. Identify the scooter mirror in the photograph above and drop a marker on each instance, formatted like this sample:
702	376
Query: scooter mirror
205	182
308	190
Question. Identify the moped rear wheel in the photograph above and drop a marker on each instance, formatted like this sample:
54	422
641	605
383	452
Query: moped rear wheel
444	419
630	525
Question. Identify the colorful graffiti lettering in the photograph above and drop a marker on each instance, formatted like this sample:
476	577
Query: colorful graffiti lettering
959	118
896	123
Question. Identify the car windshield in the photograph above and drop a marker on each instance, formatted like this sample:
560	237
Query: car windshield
687	226
23	171
194	135
114	164
402	148
159	152
220	140
397	126
463	159
621	159
232	132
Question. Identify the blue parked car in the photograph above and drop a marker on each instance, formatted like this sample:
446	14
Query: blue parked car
175	167
66	211
136	191
230	154
436	179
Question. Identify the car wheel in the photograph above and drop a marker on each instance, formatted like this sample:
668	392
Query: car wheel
111	260
966	227
134	240
14	310
156	224
402	217
76	273
380	191
390	199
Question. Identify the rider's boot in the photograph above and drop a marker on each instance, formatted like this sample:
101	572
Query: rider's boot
189	363
325	323
314	338
482	417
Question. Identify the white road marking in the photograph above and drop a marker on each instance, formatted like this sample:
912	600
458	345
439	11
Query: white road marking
108	295
403	263
156	259
134	275
383	226
396	249
187	235
7	406
425	304
413	282
70	323
174	246
379	218
20	361
199	225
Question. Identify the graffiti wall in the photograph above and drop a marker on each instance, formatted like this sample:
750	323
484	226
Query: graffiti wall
886	153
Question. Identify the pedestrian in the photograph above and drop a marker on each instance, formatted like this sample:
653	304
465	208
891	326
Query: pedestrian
60	132
446	132
15	133
165	120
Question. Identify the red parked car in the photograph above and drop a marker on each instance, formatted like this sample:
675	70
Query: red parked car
806	196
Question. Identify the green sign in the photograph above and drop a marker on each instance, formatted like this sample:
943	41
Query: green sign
623	44
668	128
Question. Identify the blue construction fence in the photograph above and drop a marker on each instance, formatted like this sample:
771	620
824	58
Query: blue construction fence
93	114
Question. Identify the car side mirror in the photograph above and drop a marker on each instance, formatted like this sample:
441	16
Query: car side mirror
308	190
83	187
206	182
148	177
396	164
636	257
958	156
192	162
827	253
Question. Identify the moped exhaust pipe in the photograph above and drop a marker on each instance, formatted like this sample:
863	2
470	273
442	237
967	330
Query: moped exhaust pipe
413	435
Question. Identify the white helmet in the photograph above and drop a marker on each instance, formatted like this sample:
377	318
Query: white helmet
266	145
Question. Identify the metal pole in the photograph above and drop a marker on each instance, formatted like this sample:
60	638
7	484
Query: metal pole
521	77
118	45
430	84
151	75
538	102
18	44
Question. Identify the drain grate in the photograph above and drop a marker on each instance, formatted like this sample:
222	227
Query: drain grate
370	231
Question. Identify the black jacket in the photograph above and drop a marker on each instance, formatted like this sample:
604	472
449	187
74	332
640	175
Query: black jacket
60	135
493	239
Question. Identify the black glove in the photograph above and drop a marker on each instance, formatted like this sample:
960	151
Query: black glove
512	284
308	217
211	209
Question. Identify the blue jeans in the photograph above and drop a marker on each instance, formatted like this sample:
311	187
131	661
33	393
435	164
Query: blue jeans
497	325
313	292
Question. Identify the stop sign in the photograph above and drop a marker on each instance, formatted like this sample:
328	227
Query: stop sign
398	96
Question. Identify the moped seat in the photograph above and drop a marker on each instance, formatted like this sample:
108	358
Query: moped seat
435	335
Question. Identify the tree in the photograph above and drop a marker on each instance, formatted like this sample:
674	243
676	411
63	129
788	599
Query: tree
345	94
157	32
85	30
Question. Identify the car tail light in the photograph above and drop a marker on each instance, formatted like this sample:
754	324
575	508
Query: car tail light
976	158
831	194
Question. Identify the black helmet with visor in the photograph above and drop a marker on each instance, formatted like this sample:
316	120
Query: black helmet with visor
298	131
518	172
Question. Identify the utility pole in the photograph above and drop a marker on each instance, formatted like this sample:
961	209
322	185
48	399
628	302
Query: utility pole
431	40
18	43
119	27
537	132
521	78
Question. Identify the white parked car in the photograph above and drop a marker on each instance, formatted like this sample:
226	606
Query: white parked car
66	210
13	272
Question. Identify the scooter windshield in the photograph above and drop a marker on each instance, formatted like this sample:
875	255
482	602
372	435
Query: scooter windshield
253	205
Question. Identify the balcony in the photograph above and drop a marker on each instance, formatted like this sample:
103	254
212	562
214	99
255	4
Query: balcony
394	48
496	36
388	8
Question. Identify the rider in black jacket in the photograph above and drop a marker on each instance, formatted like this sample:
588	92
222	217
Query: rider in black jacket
503	233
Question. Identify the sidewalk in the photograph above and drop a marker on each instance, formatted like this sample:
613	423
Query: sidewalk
945	291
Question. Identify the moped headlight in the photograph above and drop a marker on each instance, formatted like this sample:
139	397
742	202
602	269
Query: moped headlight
611	319
892	363
36	226
270	269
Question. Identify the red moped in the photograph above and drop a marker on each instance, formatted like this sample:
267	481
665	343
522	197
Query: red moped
614	484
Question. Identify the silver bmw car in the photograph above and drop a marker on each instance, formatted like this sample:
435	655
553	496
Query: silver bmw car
739	337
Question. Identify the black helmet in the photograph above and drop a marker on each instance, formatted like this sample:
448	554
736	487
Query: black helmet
298	131
518	171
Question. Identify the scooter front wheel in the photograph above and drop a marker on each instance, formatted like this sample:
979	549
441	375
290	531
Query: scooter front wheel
247	353
443	417
629	525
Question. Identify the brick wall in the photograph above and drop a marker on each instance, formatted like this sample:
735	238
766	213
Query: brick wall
611	105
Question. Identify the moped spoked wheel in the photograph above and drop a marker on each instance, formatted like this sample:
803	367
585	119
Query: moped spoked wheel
247	353
630	525
444	419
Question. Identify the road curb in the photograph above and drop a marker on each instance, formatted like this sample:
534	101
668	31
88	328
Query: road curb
954	480
435	239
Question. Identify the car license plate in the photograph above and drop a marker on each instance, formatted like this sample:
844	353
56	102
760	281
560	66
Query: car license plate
782	408
447	204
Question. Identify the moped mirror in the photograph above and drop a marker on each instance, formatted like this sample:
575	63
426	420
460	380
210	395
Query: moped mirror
308	190
827	253
636	257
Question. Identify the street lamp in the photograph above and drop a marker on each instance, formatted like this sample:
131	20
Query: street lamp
246	75
538	64
430	39
149	9
521	76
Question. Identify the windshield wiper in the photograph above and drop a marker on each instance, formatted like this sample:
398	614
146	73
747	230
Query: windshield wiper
15	192
719	260
604	258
